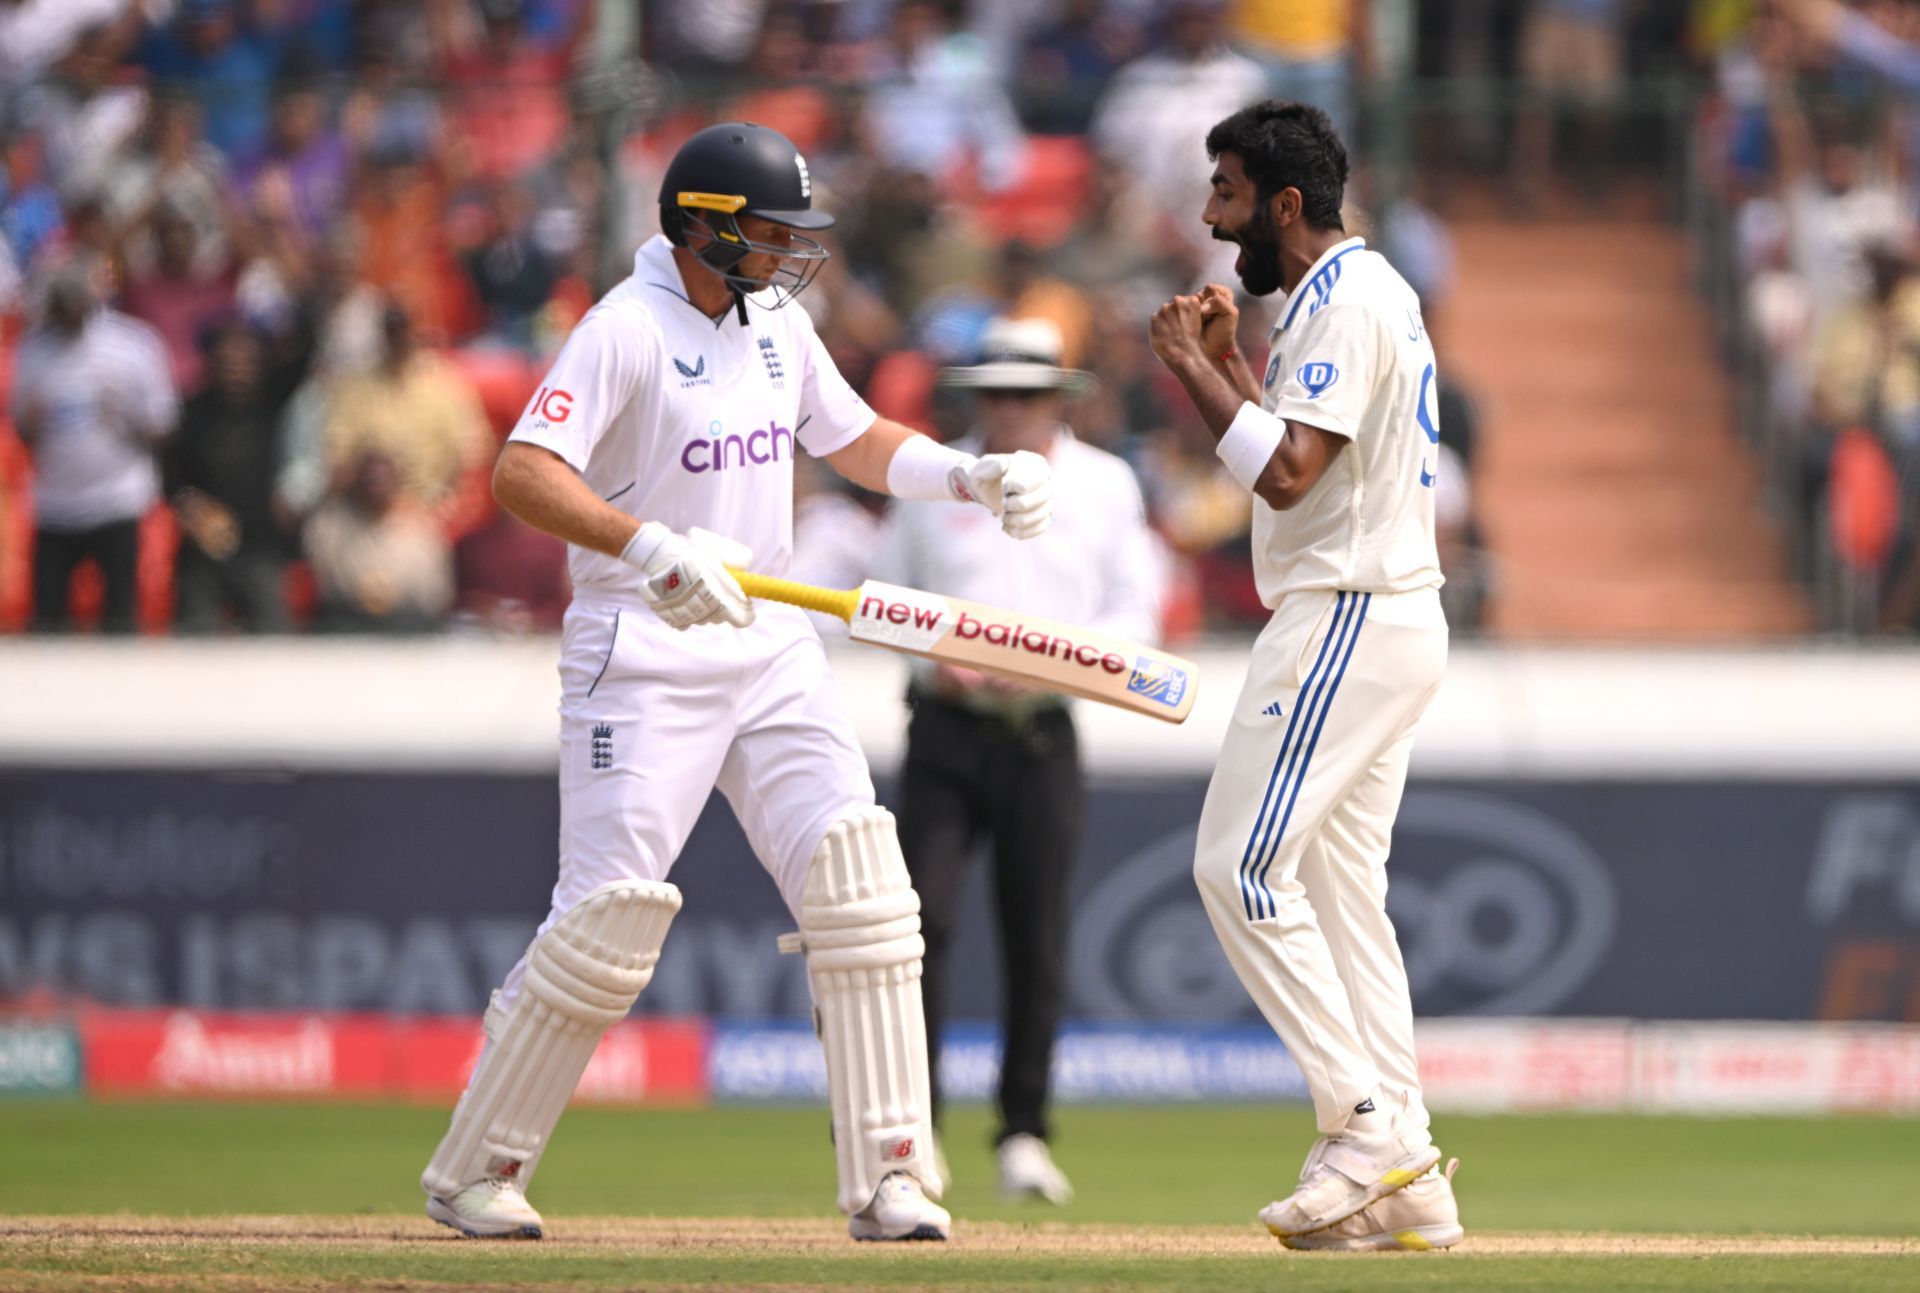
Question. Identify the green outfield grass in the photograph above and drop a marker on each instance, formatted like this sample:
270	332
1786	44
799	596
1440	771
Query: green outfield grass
1183	1182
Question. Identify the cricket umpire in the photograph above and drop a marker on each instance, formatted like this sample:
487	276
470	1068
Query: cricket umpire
997	761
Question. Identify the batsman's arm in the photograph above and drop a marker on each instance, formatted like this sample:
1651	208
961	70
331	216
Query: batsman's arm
867	460
540	488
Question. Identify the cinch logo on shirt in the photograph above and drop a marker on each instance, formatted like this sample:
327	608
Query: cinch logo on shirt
718	449
1317	378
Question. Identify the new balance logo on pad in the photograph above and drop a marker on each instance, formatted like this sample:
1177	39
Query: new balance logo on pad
1274	711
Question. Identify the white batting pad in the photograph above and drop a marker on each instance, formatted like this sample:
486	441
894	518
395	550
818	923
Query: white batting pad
582	977
860	928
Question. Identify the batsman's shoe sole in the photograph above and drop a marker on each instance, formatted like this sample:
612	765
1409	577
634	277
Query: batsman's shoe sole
900	1212
1414	1239
1283	1220
925	1231
442	1212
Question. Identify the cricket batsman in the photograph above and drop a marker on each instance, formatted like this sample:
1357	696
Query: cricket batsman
1337	442
661	449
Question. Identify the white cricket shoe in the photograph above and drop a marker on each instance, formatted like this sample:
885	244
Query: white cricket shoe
493	1208
1345	1174
900	1210
1027	1171
1424	1215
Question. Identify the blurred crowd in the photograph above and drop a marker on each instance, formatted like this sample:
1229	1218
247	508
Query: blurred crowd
1813	144
276	275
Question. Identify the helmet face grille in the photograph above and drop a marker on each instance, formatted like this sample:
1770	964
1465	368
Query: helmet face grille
795	264
733	169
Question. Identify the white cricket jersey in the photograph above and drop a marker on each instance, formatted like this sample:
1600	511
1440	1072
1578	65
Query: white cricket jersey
106	398
676	417
1350	355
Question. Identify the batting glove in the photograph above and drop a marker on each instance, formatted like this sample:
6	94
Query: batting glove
687	582
1016	487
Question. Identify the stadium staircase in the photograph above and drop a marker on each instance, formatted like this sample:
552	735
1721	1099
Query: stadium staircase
1617	499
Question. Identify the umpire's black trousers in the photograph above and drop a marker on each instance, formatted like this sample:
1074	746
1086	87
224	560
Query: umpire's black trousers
971	776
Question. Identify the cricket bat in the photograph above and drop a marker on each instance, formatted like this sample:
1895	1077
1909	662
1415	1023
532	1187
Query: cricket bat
1077	662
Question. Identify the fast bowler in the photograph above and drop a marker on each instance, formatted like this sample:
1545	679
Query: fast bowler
1338	444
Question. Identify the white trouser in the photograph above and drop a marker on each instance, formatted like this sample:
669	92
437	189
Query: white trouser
652	719
1293	840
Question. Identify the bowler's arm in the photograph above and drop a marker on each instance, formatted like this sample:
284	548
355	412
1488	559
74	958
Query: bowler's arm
1297	462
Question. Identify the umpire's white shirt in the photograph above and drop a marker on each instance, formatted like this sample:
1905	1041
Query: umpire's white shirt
676	417
105	398
1350	355
1097	565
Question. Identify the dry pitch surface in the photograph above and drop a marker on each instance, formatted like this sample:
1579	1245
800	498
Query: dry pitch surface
150	1197
241	1254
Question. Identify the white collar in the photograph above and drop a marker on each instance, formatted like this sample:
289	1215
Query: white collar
1327	265
653	263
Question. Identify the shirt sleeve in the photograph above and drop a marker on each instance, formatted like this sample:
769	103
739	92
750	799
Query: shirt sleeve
1336	362
1130	595
832	415
605	363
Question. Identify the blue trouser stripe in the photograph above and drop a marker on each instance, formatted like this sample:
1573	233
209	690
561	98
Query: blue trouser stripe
1357	622
1267	801
1310	705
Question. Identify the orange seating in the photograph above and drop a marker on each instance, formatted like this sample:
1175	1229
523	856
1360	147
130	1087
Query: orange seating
901	387
1863	498
1047	197
502	379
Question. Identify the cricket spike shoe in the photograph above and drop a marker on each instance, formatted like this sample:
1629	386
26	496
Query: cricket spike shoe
493	1208
1420	1217
900	1210
1027	1171
1352	1171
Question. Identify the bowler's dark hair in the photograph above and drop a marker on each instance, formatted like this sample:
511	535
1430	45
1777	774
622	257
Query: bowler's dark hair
1285	145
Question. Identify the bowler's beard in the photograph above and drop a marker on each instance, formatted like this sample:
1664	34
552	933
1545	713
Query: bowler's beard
1260	275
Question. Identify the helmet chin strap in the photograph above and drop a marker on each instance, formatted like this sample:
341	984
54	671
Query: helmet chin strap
739	303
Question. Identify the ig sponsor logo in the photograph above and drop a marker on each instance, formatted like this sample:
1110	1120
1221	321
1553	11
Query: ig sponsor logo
550	407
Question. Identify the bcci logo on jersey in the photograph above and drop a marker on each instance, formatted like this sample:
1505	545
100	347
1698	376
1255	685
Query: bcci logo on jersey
1157	680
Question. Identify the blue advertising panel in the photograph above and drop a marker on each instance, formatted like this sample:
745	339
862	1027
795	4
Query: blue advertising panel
414	893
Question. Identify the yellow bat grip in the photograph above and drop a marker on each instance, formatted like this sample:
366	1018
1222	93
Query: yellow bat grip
842	602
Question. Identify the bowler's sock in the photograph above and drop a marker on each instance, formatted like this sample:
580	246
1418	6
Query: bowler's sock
1369	1119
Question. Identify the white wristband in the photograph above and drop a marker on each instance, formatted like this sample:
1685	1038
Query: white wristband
923	468
645	542
1248	445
